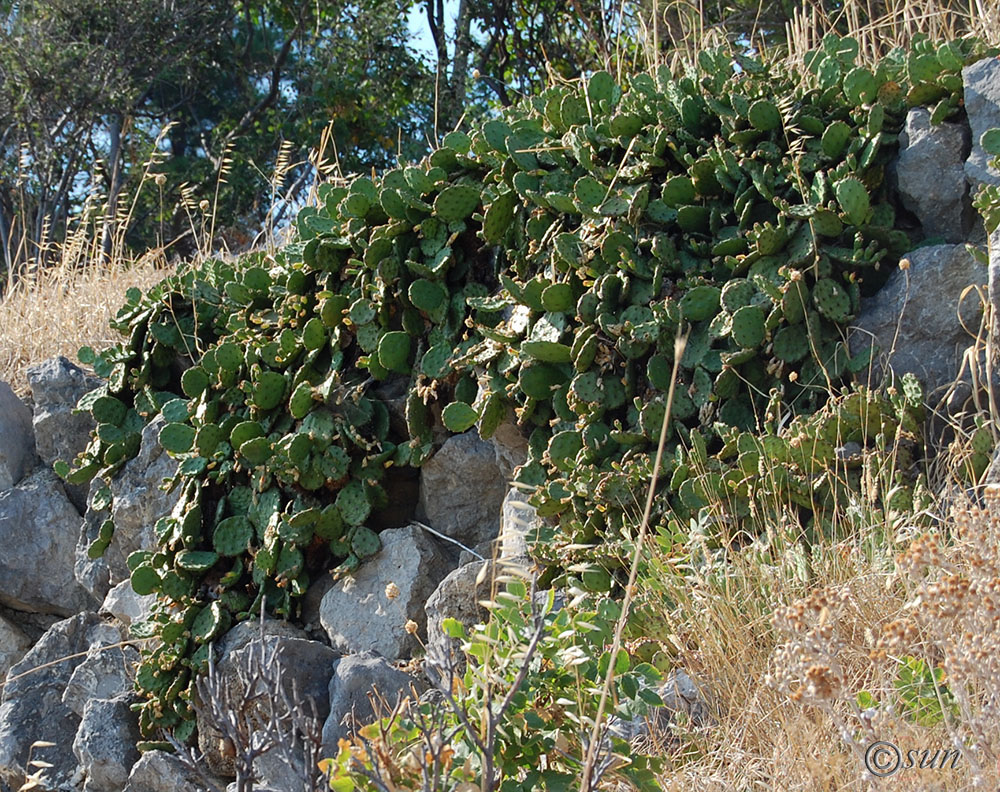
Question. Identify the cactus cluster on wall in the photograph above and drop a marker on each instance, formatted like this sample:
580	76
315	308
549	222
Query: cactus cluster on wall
539	268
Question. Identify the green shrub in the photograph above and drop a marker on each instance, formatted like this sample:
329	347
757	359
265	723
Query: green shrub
541	267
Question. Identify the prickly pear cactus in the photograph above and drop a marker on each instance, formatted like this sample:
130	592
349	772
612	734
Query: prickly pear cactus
540	268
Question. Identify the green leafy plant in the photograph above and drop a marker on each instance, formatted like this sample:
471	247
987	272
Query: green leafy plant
538	269
520	712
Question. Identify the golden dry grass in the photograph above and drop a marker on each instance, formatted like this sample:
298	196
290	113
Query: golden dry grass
56	310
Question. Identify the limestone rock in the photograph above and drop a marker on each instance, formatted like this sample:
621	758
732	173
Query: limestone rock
105	673
461	489
982	105
32	708
159	771
13	644
284	648
354	677
17	444
37	526
127	606
923	302
457	597
138	502
510	447
60	433
105	744
369	609
931	176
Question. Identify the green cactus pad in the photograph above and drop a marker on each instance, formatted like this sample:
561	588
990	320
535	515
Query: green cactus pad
352	503
301	401
394	351
589	192
269	390
791	343
737	293
678	191
314	334
558	297
364	542
194	382
832	300
177	438
427	295
563	448
232	536
229	357
835	138
748	327
763	115
853	199
436	362
538	379
256	451
108	410
701	302
546	351
210	623
196	560
207	439
459	416
145	580
456	203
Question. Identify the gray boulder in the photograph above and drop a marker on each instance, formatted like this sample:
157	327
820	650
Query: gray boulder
13	644
105	744
37	526
159	771
461	489
60	433
105	673
32	708
931	175
457	597
125	605
17	444
685	705
368	611
982	106
138	502
354	678
287	657
914	318
510	447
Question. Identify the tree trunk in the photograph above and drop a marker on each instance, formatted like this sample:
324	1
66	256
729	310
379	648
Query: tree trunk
111	212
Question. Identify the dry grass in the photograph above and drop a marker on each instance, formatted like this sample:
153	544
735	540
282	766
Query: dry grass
57	309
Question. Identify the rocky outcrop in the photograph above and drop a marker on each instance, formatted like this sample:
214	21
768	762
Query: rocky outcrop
982	106
369	610
931	176
17	444
105	744
138	501
457	597
37	530
158	771
60	432
921	319
461	489
32	707
354	679
14	642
